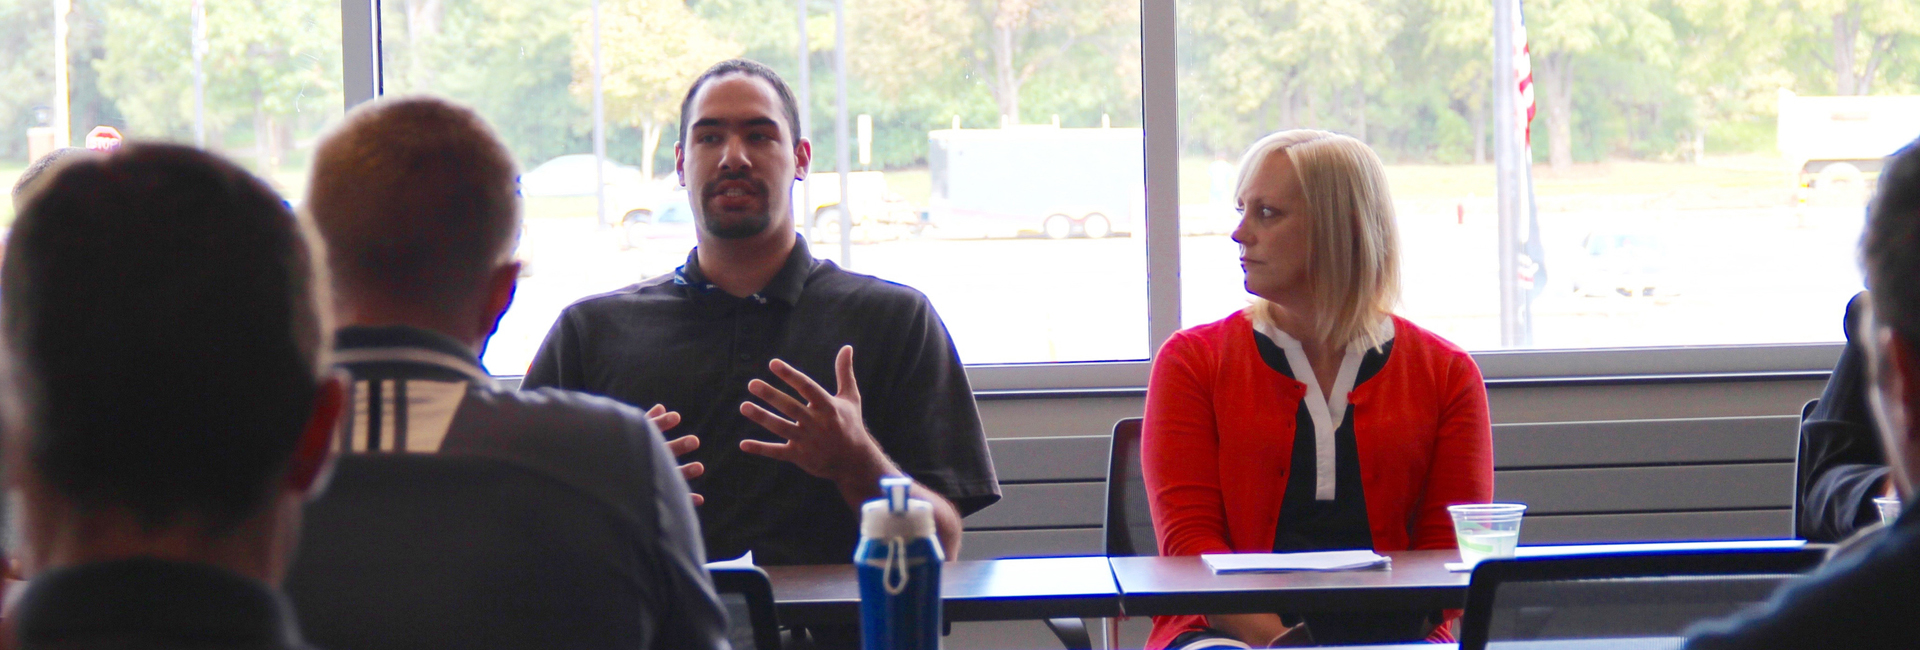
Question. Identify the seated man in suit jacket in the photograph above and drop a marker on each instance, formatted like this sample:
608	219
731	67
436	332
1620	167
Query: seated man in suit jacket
417	201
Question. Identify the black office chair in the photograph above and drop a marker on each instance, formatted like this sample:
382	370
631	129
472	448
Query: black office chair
751	585
1129	522
1800	468
1654	594
1128	526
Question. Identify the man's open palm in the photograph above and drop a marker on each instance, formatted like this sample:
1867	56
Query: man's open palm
824	435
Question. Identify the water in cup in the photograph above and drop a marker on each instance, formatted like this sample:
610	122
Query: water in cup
1482	544
1486	530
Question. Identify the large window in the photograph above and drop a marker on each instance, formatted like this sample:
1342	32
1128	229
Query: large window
1699	168
995	150
255	81
1689	191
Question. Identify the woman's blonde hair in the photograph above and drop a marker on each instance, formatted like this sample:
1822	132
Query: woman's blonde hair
1353	265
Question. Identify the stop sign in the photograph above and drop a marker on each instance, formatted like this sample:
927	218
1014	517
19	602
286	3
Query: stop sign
103	138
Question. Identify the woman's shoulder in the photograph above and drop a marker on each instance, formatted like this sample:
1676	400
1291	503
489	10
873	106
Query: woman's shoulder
1418	341
1212	334
1207	340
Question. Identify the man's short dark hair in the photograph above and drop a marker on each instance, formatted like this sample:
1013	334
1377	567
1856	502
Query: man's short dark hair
40	168
161	305
1891	248
417	201
789	108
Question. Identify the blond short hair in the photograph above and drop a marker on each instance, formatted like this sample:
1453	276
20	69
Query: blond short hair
417	200
1353	265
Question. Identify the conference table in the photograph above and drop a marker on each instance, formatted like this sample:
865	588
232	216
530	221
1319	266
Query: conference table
972	590
1100	587
1103	587
1416	580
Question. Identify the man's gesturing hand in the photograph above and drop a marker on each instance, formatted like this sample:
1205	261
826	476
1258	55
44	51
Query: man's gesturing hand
825	435
663	420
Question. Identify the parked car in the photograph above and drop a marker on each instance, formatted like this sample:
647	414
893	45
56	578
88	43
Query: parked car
572	175
1624	264
667	225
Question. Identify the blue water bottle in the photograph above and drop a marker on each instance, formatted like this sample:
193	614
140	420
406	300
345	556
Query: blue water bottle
899	562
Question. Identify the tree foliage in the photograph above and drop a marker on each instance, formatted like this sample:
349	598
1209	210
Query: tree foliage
1617	78
650	50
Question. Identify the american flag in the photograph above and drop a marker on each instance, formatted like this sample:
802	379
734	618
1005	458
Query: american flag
1523	76
1532	268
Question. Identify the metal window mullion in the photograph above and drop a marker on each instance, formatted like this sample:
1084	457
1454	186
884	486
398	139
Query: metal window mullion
1160	113
359	51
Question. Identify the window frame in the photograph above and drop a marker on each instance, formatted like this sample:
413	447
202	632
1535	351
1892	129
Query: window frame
1159	30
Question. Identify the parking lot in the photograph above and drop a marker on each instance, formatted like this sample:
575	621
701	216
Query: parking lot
1729	275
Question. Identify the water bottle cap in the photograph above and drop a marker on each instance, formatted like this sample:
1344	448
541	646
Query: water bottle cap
895	489
879	521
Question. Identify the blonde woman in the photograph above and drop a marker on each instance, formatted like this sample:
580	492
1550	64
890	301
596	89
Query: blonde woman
1314	419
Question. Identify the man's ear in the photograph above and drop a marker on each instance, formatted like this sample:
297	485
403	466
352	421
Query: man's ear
501	287
680	163
802	159
1901	372
313	456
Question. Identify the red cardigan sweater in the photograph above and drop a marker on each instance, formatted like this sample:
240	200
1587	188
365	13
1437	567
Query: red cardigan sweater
1218	441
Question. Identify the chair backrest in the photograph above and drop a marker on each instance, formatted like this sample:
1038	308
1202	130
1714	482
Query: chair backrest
1801	467
1619	595
750	585
1129	523
448	551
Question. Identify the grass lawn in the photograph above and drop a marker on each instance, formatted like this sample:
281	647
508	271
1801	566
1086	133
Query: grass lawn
1619	178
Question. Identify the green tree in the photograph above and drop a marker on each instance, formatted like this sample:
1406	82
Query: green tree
1459	43
1253	66
1563	32
271	64
1007	46
1855	40
509	60
650	51
26	58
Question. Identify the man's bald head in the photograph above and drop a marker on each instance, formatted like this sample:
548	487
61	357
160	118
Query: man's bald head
418	202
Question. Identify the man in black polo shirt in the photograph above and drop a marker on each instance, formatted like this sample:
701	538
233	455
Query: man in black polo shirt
752	309
171	407
418	204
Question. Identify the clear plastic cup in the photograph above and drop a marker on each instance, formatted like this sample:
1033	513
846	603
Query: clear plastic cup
1889	508
1487	530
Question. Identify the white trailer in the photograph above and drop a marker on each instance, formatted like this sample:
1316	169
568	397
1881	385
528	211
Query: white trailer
1839	139
1037	179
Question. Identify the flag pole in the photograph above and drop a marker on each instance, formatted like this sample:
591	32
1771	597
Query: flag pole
1506	151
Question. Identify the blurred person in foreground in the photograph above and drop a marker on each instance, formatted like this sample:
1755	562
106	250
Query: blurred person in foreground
1868	594
174	402
23	187
1314	419
42	168
752	309
418	203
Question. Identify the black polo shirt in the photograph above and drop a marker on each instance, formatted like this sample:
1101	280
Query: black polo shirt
679	340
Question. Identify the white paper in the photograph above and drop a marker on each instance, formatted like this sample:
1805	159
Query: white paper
735	563
1315	561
